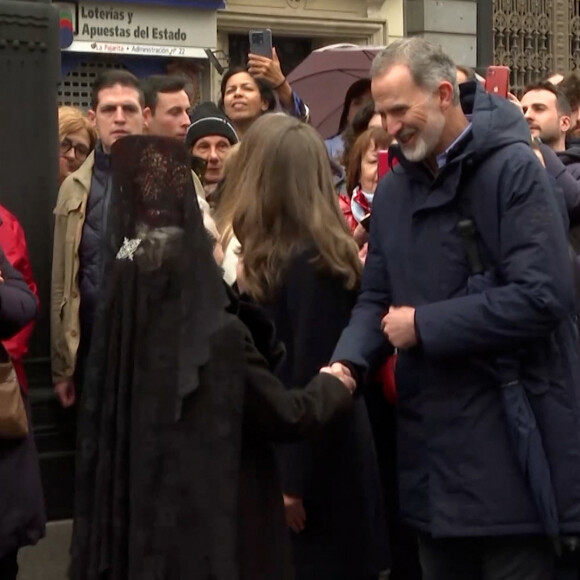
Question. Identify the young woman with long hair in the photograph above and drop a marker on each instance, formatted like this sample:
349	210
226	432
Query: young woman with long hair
301	264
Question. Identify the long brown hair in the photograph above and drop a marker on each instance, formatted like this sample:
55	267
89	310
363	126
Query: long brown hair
227	197
376	137
287	203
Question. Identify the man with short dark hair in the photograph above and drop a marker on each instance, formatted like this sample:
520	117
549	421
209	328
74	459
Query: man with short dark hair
468	276
167	106
81	207
547	112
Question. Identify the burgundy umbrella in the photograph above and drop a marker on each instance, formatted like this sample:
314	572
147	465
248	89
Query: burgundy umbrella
324	77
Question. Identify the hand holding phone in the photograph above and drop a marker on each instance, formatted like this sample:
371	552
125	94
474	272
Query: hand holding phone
263	63
365	222
261	42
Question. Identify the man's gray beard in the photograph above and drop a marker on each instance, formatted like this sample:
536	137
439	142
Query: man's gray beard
423	148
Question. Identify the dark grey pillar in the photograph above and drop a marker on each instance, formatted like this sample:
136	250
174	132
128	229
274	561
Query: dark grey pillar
450	23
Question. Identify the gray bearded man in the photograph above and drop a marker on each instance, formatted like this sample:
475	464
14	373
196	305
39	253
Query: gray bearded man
468	276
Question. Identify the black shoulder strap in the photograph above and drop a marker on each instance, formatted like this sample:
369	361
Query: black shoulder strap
469	236
467	229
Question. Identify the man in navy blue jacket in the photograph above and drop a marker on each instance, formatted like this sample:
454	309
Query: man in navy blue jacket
461	485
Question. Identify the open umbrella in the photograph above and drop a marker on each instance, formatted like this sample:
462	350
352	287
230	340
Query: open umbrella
323	78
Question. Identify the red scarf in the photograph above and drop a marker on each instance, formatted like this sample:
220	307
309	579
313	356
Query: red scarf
359	197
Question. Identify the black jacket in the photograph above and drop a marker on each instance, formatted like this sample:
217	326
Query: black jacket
217	510
21	498
18	305
458	475
337	475
92	245
567	177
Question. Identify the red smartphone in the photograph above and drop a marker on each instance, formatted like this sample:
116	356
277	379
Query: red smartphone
497	80
383	162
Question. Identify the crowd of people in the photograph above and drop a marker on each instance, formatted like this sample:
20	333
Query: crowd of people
284	365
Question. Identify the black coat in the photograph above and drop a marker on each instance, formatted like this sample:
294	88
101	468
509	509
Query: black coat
565	170
212	506
18	304
336	475
21	497
458	475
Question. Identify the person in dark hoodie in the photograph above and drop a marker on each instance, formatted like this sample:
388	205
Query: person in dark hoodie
461	484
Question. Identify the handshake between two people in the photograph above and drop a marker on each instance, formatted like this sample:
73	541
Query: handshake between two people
398	326
342	373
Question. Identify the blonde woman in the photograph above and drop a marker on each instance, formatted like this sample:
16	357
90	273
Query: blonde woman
77	138
301	264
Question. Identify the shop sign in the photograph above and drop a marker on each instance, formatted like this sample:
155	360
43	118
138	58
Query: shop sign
99	27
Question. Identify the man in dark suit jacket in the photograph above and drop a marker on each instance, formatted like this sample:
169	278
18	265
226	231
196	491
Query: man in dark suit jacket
468	156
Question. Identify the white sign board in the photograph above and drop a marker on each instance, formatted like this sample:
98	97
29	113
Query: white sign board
141	29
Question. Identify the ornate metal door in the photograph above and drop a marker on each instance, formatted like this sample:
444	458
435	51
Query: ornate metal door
575	35
536	38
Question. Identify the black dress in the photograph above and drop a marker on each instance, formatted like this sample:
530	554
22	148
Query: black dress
337	475
176	477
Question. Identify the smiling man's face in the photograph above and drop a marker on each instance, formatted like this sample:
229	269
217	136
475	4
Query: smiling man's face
409	113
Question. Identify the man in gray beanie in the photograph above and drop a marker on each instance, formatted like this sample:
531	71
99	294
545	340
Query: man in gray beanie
210	136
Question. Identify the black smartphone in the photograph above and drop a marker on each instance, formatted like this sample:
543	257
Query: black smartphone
366	221
261	42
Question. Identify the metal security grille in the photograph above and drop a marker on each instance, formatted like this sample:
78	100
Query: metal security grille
575	35
536	38
75	88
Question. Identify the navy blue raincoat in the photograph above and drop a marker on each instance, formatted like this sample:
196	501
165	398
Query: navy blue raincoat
458	473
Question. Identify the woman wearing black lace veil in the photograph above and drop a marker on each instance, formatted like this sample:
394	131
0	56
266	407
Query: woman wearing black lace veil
175	475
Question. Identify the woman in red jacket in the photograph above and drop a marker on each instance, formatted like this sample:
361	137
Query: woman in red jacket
13	243
21	498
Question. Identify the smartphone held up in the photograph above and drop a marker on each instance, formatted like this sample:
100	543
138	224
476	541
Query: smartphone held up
497	80
261	42
383	162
